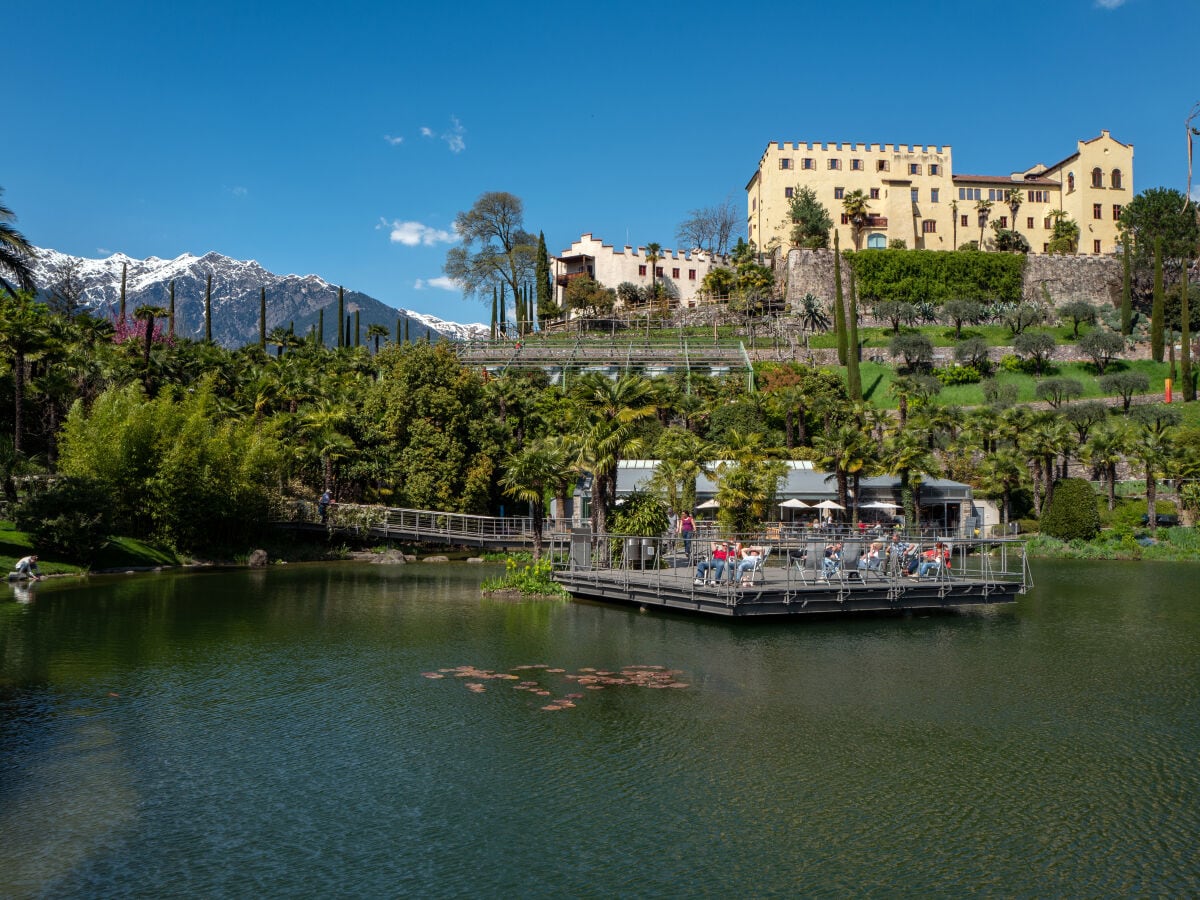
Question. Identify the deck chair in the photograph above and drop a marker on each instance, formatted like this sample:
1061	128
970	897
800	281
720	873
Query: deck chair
757	569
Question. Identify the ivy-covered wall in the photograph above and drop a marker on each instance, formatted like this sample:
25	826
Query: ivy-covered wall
918	275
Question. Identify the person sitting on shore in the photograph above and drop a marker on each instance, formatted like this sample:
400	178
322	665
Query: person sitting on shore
27	567
721	552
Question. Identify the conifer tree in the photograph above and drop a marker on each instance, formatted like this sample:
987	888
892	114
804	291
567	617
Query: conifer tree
262	318
341	317
357	329
545	290
1157	340
493	332
407	335
503	324
321	327
1185	338
839	310
399	330
171	311
207	309
346	332
1126	288
853	376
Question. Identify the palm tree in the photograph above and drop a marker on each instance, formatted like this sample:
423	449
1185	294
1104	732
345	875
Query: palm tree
377	331
15	253
984	209
954	222
846	450
653	255
854	204
1002	473
1015	198
907	455
1154	448
1106	449
609	413
23	331
528	474
323	426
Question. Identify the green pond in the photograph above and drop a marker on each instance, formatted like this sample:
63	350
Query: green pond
276	733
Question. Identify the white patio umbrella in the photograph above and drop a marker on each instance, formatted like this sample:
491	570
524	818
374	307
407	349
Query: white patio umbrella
828	504
709	504
793	503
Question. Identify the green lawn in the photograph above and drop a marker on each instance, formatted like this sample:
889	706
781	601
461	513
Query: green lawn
876	340
120	553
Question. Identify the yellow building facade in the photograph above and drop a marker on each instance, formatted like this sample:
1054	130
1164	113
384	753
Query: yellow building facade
914	195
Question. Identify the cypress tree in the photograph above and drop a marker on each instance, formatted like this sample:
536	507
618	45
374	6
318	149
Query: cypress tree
399	329
407	336
171	311
346	333
853	377
207	309
545	291
341	316
839	311
321	327
124	268
1156	309
262	318
503	324
1126	289
1185	339
493	332
357	329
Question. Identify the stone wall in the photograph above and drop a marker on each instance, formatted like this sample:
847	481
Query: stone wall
1096	279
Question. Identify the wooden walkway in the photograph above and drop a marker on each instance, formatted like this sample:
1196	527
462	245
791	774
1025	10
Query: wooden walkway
418	526
791	583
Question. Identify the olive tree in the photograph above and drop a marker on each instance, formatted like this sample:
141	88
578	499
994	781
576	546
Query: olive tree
916	350
1079	312
1103	347
1038	346
1057	391
1125	385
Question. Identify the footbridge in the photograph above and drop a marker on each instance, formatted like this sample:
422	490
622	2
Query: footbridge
418	526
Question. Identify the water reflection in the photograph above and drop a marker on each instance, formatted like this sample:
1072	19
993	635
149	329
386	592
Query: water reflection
221	732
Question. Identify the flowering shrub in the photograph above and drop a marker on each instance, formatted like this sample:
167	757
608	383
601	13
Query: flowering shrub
531	578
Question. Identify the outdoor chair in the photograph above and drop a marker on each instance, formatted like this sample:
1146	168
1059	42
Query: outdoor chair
757	568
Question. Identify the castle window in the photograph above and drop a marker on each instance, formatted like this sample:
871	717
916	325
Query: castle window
845	218
1004	221
856	165
1116	211
1116	179
933	195
641	270
787	193
914	192
935	169
1046	223
785	163
658	270
1070	182
876	241
839	193
882	165
1096	211
808	163
963	221
929	226
1097	178
1029	222
691	274
835	163
914	168
1096	247
674	273
874	193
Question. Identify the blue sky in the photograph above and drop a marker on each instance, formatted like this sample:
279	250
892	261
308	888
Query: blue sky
342	139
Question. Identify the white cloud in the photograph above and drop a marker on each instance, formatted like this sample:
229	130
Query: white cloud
442	282
414	234
237	191
394	141
1109	4
455	136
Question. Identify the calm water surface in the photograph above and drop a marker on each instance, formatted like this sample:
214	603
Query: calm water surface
271	733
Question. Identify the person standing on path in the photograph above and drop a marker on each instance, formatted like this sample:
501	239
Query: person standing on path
687	527
323	505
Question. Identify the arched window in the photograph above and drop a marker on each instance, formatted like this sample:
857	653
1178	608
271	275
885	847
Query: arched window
877	242
1070	182
1116	179
1097	178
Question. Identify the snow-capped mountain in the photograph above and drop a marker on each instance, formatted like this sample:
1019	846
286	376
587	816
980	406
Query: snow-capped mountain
294	301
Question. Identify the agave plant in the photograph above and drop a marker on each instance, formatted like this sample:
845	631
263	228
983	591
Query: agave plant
812	313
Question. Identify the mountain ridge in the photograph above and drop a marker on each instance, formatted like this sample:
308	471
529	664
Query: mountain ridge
295	301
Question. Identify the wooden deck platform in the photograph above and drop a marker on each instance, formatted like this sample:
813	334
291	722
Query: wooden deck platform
983	574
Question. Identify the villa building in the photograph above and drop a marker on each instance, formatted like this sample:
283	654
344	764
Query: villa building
914	195
681	271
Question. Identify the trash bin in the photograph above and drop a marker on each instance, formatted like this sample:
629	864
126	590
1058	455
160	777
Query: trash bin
633	552
581	548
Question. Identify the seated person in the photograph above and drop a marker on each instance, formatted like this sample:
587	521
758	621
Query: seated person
873	558
721	553
833	559
750	557
933	560
911	559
